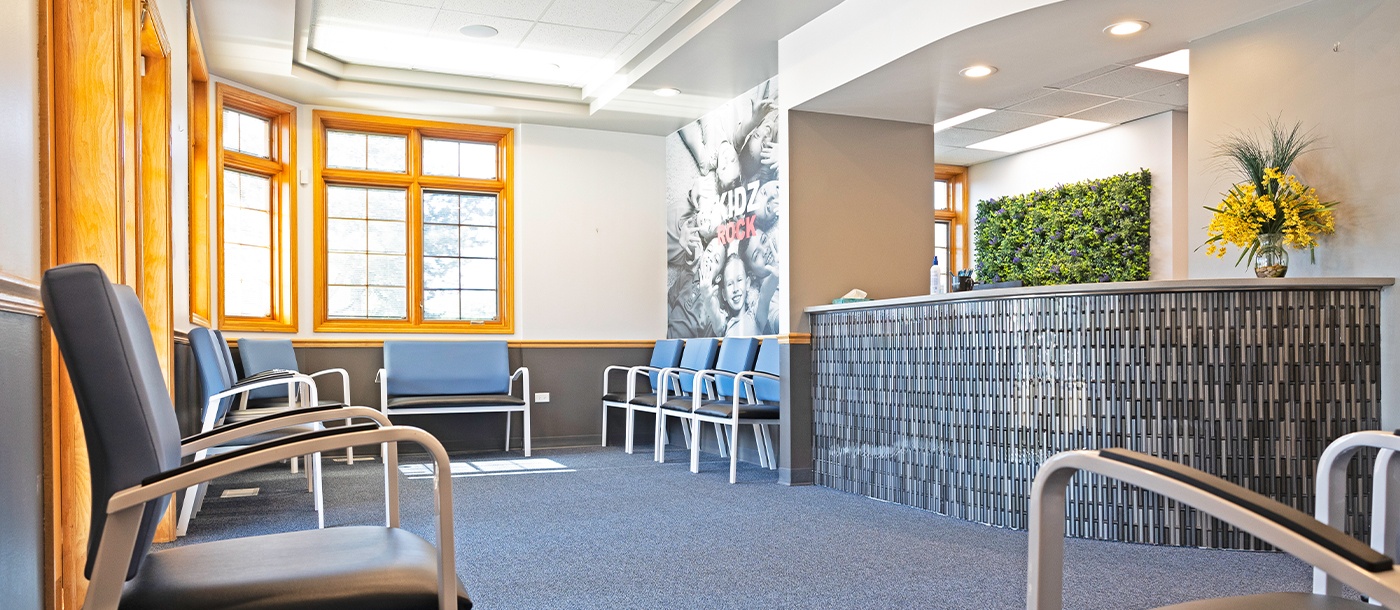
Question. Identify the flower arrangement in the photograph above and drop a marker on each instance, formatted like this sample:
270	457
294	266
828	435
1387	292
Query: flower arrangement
1271	201
1091	231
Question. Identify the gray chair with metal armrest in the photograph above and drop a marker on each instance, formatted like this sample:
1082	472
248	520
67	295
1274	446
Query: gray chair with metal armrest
1344	558
666	353
260	355
1332	494
432	377
757	402
696	354
736	355
134	452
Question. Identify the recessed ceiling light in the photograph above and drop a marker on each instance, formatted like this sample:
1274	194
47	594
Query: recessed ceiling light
478	31
977	71
1127	28
960	119
1039	135
667	92
1176	61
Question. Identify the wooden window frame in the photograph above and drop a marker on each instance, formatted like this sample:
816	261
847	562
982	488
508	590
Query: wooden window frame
959	238
281	168
198	81
415	183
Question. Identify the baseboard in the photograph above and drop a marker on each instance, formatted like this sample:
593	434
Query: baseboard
795	477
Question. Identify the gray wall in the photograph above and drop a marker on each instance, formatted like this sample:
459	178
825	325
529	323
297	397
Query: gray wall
1284	65
861	209
21	477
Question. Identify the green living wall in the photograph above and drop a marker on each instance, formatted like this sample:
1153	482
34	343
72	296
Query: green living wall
1091	231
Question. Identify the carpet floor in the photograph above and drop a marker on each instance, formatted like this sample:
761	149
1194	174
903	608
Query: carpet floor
595	527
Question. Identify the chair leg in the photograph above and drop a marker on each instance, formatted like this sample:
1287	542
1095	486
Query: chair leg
295	468
688	438
182	522
605	425
695	446
660	448
762	449
631	430
349	451
507	430
318	497
527	431
721	441
734	454
768	444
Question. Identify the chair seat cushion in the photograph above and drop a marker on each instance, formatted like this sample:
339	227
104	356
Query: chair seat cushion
644	400
280	404
338	568
760	410
680	404
619	397
270	435
1273	601
455	400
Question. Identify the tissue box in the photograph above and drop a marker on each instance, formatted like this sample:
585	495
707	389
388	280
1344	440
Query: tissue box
847	300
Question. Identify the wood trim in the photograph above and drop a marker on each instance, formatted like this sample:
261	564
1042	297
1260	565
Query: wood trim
795	339
514	343
414	181
19	296
958	214
198	107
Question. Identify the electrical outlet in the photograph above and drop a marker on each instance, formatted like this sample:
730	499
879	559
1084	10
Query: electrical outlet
541	397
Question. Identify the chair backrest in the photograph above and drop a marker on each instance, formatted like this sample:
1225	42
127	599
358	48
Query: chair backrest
698	354
128	420
767	390
426	368
736	355
666	354
260	355
211	369
222	342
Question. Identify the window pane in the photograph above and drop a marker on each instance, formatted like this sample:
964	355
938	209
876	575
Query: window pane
346	301
345	235
367	262
247	281
387	153
386	270
442	305
478	160
345	150
479	210
439	157
440	208
441	273
440	240
254	136
247	245
386	204
388	303
478	305
342	202
387	237
346	269
940	235
248	227
230	130
479	242
478	273
940	195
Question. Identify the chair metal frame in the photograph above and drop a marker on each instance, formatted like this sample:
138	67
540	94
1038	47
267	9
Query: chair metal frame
767	457
632	375
1331	495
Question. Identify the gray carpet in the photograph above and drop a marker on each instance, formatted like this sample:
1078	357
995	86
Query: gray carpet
619	531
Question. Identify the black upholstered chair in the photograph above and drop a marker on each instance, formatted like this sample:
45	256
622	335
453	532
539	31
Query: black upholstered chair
262	355
1341	557
134	451
666	353
736	355
756	401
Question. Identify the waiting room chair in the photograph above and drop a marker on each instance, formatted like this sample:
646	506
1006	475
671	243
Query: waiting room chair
433	377
1342	557
736	355
259	355
697	354
756	401
665	354
134	453
1331	504
218	390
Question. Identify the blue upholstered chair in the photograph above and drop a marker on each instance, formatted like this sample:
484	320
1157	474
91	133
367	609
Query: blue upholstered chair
697	354
259	355
757	402
431	377
665	354
736	355
134	451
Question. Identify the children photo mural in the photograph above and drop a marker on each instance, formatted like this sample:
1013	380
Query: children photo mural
721	216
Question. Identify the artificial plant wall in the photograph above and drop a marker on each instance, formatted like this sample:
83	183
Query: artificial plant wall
1091	231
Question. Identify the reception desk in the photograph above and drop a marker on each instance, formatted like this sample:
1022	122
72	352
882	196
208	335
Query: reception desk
950	402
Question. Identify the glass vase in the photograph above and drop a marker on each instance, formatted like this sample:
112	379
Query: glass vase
1270	257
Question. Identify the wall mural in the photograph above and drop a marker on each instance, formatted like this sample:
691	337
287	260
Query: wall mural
721	215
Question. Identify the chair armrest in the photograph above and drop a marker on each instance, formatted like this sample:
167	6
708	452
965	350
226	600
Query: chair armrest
344	382
634	373
521	373
266	376
274	421
746	378
607	378
124	508
1291	530
712	375
1332	496
666	375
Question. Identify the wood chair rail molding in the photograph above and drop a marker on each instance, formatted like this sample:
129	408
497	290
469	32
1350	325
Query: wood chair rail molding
795	338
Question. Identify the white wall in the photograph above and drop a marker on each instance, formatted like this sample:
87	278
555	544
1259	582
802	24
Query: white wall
1156	143
19	138
173	17
1284	66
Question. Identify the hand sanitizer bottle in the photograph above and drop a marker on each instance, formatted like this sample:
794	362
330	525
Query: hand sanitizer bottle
937	283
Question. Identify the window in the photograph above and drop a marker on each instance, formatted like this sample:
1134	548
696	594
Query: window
413	225
256	212
950	228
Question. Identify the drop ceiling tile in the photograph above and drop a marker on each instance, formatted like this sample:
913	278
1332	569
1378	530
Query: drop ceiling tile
1125	82
1060	103
958	136
512	31
1121	111
1172	94
622	46
653	18
565	39
1083	77
611	15
423	3
514	9
1003	121
1024	97
965	156
373	15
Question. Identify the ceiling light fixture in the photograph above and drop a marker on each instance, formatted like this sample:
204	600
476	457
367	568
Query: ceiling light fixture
478	31
1126	28
667	92
960	119
1049	132
1176	61
977	71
